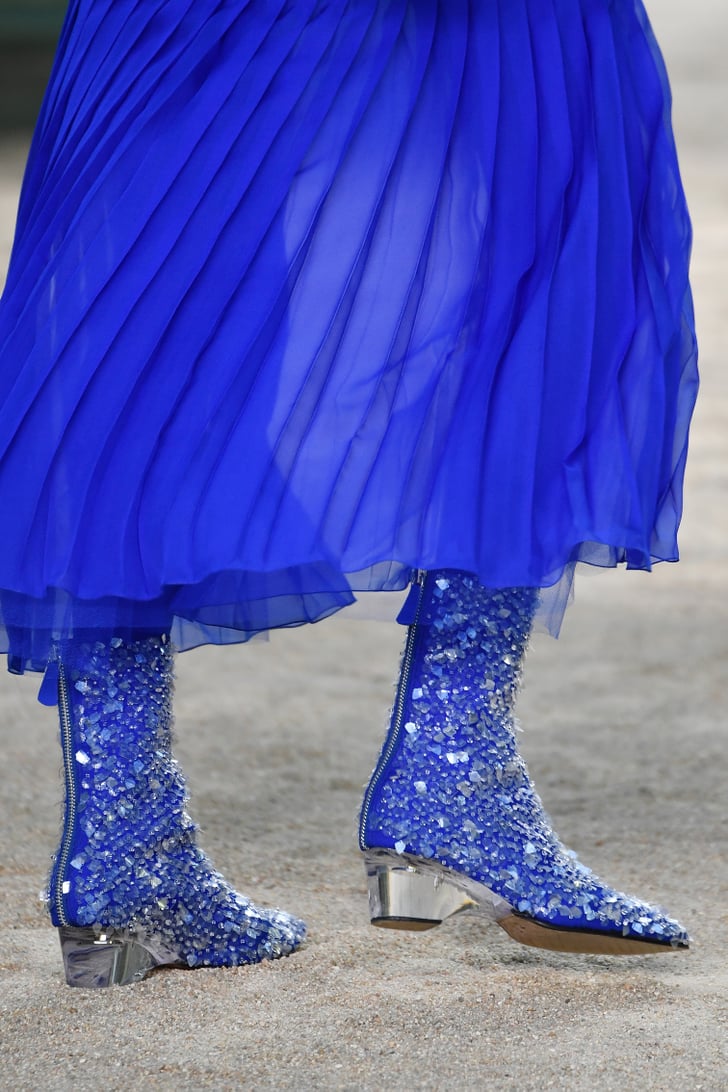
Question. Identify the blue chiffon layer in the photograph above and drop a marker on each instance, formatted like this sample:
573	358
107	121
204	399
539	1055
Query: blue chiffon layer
306	294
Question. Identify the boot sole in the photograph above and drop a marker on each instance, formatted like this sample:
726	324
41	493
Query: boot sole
410	893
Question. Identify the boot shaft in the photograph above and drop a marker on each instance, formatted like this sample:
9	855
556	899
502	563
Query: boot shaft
125	795
458	682
469	645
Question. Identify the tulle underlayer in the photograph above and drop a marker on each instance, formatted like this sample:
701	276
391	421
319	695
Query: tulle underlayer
307	294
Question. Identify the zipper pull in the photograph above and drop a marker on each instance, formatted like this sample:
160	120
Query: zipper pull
410	607
48	692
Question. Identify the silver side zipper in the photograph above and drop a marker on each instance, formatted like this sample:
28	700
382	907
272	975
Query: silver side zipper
395	728
69	774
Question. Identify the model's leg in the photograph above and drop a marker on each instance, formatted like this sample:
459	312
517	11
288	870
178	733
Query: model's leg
451	820
130	889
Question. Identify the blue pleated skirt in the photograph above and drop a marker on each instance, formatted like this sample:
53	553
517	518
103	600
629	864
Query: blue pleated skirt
307	294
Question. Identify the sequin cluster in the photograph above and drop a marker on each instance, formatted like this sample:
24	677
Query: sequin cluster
456	790
133	859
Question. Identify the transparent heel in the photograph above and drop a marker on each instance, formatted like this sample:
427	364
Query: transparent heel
405	895
94	958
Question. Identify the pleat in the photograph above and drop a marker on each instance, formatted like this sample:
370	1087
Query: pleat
306	294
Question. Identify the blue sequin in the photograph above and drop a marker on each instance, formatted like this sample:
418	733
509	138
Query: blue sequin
133	860
455	789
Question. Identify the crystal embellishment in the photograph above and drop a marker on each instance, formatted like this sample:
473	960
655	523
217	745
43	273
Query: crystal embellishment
133	859
453	787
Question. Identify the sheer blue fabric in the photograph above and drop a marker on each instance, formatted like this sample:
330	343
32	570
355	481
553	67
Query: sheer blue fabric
306	294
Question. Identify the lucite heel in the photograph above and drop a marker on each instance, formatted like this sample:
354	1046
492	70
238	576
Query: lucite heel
406	893
94	958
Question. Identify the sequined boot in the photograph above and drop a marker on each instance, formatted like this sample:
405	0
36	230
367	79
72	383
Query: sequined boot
130	890
451	820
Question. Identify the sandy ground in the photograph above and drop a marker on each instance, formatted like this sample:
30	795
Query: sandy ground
625	736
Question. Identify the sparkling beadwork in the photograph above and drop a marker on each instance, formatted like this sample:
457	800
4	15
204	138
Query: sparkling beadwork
134	860
471	805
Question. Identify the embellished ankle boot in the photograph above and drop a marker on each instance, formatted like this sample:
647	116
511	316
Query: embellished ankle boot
451	820
130	890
